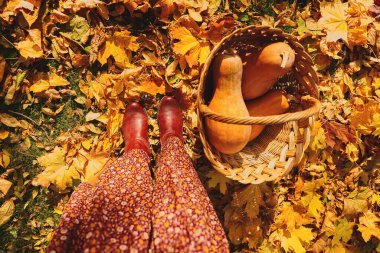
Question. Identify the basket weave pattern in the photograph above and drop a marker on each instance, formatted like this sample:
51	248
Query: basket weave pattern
282	144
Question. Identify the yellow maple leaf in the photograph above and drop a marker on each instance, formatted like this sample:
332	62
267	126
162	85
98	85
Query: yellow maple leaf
31	47
295	240
334	20
362	120
194	51
57	171
119	45
368	226
312	199
216	178
343	231
375	199
290	218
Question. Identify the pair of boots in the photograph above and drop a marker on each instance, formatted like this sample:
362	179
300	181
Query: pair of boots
135	124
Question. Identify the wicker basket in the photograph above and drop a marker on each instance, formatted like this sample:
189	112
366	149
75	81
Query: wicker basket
282	144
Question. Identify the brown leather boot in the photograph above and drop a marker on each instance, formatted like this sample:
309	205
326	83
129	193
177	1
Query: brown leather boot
135	128
170	119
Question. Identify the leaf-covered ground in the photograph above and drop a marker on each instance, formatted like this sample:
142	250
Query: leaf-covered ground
68	68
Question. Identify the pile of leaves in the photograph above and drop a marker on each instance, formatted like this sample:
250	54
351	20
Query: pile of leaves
68	69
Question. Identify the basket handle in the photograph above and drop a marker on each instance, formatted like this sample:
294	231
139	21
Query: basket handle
312	104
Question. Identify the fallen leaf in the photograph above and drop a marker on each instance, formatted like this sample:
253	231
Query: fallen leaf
334	20
56	170
31	47
3	134
369	226
343	231
79	29
44	82
9	121
95	165
119	45
336	131
92	115
312	200
216	178
352	152
357	201
6	211
195	52
5	185
362	120
29	10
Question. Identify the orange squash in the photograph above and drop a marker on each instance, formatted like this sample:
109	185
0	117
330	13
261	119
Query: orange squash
261	70
272	103
227	99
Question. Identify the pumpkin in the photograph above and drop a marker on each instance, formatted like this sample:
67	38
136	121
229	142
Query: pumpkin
262	69
272	103
227	100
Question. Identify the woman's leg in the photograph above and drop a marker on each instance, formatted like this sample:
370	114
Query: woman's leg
67	233
114	215
120	217
183	216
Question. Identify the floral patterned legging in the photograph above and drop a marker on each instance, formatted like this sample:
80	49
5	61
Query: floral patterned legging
125	212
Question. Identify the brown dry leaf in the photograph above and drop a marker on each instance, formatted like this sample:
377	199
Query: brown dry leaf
31	47
334	20
56	170
369	226
9	120
9	10
119	45
335	131
52	113
5	185
77	5
29	10
169	7
92	115
6	211
194	51
5	158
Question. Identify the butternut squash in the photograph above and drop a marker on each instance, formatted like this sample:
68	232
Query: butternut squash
272	103
227	100
261	70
